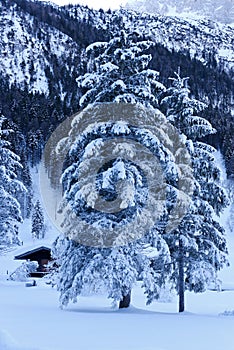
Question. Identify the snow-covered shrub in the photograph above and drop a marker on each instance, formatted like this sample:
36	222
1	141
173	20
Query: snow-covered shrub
23	271
227	313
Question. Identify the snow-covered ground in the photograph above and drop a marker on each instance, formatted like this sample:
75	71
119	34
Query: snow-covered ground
32	317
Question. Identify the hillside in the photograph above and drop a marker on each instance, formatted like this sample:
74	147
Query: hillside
217	10
43	52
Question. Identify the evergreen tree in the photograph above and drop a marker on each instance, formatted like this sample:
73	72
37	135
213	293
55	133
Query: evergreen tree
115	261
35	143
10	186
198	246
118	72
18	145
112	250
38	225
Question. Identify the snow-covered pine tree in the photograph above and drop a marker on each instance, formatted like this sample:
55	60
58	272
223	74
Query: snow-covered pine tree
38	224
35	142
10	186
198	246
18	145
117	73
106	253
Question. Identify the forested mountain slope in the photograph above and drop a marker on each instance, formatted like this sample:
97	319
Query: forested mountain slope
43	52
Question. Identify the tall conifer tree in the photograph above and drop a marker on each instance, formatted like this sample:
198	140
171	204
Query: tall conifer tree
10	187
117	73
198	246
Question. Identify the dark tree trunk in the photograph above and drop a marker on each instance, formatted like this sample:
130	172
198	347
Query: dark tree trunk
125	302
181	277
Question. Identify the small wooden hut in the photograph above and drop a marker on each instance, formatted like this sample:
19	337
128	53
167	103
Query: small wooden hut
40	254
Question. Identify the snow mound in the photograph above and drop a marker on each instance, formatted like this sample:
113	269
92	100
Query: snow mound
7	343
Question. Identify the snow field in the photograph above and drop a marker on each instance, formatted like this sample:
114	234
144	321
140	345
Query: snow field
32	317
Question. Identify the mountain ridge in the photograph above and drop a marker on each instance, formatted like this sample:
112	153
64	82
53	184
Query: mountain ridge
217	10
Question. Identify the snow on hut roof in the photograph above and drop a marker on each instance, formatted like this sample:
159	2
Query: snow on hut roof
26	251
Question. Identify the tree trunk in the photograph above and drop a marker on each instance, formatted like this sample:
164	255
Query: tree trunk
181	278
125	302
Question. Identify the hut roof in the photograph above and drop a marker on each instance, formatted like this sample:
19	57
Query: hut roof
27	252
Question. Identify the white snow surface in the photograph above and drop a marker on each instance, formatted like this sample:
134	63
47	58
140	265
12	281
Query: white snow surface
7	343
218	10
32	317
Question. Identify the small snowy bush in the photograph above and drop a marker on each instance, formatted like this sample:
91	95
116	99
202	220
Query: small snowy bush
227	313
23	271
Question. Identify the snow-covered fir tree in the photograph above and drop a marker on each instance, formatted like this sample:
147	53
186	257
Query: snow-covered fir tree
112	251
198	246
119	74
38	222
10	186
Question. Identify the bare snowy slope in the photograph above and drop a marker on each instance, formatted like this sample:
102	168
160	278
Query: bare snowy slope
217	10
